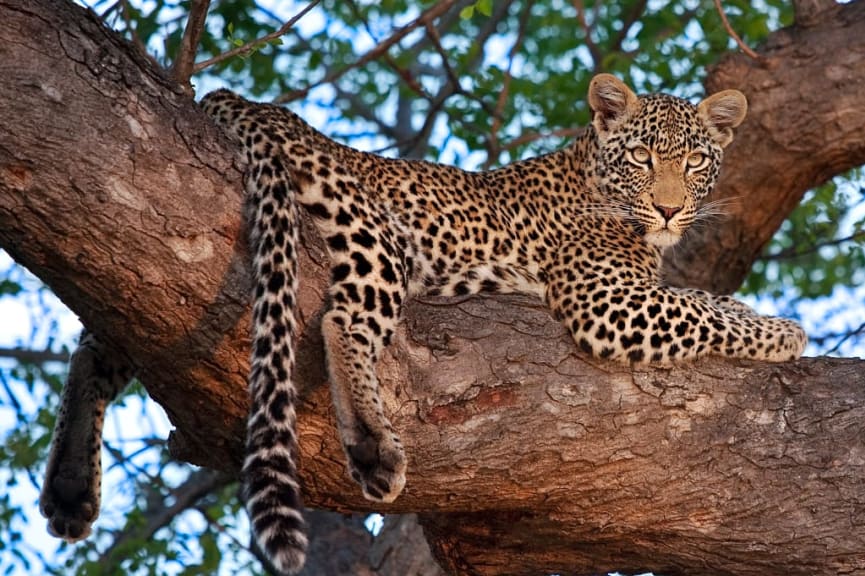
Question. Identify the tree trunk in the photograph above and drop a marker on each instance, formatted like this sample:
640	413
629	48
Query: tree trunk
524	456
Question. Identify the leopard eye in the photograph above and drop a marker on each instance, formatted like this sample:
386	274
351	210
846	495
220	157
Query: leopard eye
697	161
640	155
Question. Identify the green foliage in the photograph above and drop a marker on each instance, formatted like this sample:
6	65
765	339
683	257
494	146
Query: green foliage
482	7
820	247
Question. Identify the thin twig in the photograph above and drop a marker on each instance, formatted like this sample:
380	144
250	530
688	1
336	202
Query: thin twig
793	251
246	48
160	513
405	74
428	15
127	18
181	70
34	356
823	339
744	47
109	10
435	39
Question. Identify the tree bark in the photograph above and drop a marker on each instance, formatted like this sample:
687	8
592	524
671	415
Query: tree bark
524	456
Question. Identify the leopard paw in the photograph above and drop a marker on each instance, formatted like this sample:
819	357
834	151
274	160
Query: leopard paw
378	466
71	505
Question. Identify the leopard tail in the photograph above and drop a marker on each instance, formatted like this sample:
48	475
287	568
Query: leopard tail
269	475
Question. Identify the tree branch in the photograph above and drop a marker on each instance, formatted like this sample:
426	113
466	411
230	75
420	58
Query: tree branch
742	46
793	252
158	514
628	21
493	146
185	61
28	356
594	51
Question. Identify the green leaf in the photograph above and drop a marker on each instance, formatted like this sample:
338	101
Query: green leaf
10	288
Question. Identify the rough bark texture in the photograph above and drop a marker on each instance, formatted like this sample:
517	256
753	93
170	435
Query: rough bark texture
524	457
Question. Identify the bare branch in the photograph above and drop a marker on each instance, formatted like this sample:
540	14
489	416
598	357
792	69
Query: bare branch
744	47
628	21
796	252
842	338
249	46
185	61
533	136
409	147
107	12
127	18
34	356
158	514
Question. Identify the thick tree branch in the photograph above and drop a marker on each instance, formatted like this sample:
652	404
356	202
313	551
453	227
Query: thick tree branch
523	455
809	12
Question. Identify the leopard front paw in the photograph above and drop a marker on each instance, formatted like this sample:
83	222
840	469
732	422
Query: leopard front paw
378	466
797	339
789	340
71	504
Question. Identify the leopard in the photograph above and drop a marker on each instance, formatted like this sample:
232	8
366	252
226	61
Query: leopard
583	229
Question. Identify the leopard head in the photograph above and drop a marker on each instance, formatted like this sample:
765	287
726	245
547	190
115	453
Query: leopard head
660	155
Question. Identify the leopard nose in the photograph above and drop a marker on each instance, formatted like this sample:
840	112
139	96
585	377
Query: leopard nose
667	211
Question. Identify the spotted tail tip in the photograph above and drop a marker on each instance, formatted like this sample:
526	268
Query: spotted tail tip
275	510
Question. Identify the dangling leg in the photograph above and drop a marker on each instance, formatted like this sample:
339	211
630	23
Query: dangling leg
70	495
367	293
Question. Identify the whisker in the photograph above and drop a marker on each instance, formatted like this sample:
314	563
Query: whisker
716	208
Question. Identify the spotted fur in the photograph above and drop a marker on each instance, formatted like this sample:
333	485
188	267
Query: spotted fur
582	228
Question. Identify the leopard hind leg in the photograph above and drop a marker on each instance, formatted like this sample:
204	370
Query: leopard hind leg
70	496
366	296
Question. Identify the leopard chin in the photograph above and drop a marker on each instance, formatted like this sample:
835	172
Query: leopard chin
664	238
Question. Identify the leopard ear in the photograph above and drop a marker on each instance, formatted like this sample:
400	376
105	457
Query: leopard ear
721	112
611	101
